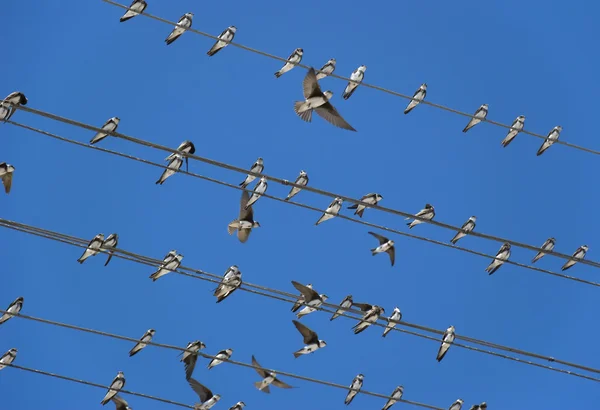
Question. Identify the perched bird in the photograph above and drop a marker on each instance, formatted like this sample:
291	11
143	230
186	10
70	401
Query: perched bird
245	221
5	112
300	299
515	128
171	169
481	406
232	279
136	7
12	100
501	257
385	245
186	147
93	248
268	378
547	246
190	357
327	69
457	405
292	60
355	79
238	406
115	387
579	255
354	388
258	191
120	403
396	395
464	229
12	309
109	126
417	98
224	39
6	174
479	115
550	139
332	210
258	168
182	25
447	339
344	306
8	358
311	340
301	180
110	243
319	102
207	398
219	357
143	342
368	318
396	317
426	213
311	298
170	263
371	198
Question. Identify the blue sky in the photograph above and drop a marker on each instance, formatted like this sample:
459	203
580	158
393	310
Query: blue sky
78	61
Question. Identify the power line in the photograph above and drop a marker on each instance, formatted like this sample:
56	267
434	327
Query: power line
359	221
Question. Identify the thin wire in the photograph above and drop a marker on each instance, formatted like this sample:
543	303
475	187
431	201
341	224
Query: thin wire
359	221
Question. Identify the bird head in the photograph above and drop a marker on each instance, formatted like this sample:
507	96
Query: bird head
216	397
241	403
584	247
303	173
151	331
324	297
473	219
233	28
391	242
424	86
451	329
19	299
332	60
190	15
120	374
521	118
378	197
328	94
259	160
485	107
299	51
362	68
256	224
558	128
322	343
360	377
13	351
229	351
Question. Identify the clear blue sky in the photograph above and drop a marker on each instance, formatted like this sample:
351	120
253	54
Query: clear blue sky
77	60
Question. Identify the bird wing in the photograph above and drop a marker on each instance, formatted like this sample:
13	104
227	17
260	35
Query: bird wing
309	294
281	384
310	85
392	253
365	307
202	391
308	335
330	114
7	181
243	235
261	372
382	239
245	214
190	364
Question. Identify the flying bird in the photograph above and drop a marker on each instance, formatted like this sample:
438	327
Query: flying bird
220	357
396	395
547	246
136	7
447	339
224	39
292	60
457	405
385	245
115	387
258	168
396	317
300	299
417	98
171	169
182	25
258	191
319	102
6	174
578	255
354	388
143	342
344	306
190	357
327	69
515	128
501	257
311	298
8	358
426	213
368	318
550	139
206	396
93	248
186	147
355	79
109	126
464	229
301	180
110	243
332	210
120	403
371	198
12	100
238	406
170	263
232	279
245	221
13	309
268	378
310	338
479	115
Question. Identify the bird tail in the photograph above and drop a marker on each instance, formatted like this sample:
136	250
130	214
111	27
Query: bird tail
453	241
360	212
110	255
233	226
80	260
408	109
373	251
353	206
262	388
542	149
302	110
214	50
537	257
410	224
297	354
278	74
506	141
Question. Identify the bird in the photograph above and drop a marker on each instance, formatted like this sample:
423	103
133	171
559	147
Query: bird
396	395
368	318
120	403
93	248
344	306
268	378
457	405
418	96
355	79
385	245
312	299
515	128
206	396
300	300
5	112
319	102
464	229
8	358
143	342
550	139
259	190
224	39
547	246
136	7
219	357
190	357
479	115
332	210
245	222
371	198
396	317
186	147
292	60
12	100
13	309
232	279
6	174
501	257
171	169
109	126
426	213
169	264
354	388
579	254
257	168
301	180
310	338
110	243
327	69
447	339
182	25
115	387
482	406
238	406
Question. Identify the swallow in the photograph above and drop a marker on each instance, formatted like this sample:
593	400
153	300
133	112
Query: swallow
547	246
396	395
332	210
292	60
457	405
300	300
115	387
182	25
120	403
224	39
258	168
354	388
550	139
8	358
110	243
479	115
418	96
268	378
310	338
482	406
501	257
93	248
447	339
301	180
238	406
206	396
464	229
190	357
232	279
319	102
426	213
136	7
220	357
186	147
515	128
368	318
109	126
258	191
170	263
12	101
355	79
327	69
6	174
371	198
143	342
245	221
579	255
171	169
12	309
385	245
344	306
396	317
312	299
